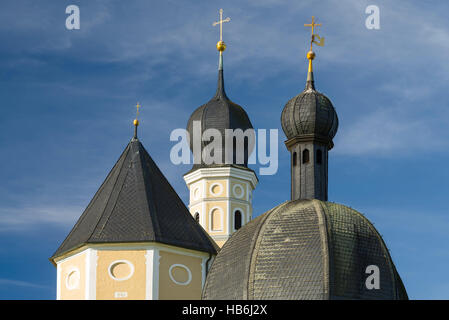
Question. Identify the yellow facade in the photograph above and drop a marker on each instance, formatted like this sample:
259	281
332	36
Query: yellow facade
72	277
180	276
130	284
129	271
216	195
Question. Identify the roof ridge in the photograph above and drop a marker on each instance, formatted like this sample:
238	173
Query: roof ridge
148	187
92	201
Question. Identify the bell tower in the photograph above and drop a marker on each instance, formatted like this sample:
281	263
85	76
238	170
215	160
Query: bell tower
310	122
220	186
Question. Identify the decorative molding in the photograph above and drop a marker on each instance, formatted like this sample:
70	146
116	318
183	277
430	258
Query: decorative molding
189	273
73	270
130	265
214	185
221	237
91	274
240	194
196	193
149	274
210	219
58	281
221	172
223	199
203	272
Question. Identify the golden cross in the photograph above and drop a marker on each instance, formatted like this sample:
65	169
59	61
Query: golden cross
138	106
313	25
221	23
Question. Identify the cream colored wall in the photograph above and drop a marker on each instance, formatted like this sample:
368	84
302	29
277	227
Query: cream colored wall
220	243
79	262
134	287
168	289
243	184
223	188
223	207
227	200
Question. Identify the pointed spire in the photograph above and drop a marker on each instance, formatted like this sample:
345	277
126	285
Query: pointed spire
310	82
220	85
221	46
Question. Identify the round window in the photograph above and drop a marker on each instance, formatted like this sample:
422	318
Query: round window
238	190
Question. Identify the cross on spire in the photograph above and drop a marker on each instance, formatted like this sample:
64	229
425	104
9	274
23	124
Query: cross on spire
320	41
220	22
138	106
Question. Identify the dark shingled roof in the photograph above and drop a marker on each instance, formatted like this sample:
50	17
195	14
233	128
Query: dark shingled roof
303	249
220	113
310	113
136	203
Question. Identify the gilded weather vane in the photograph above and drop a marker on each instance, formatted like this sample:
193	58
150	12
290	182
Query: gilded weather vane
320	41
221	45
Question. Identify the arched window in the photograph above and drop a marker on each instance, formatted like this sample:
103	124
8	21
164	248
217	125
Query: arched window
197	217
319	157
237	220
294	159
305	156
216	223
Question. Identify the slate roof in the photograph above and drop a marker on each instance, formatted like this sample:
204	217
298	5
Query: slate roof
136	203
303	249
220	113
310	113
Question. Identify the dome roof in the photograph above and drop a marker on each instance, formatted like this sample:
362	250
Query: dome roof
310	114
221	113
303	249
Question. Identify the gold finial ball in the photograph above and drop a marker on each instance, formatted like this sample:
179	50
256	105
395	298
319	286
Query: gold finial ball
136	122
221	46
310	55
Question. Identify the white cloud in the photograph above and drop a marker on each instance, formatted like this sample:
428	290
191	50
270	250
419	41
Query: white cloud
17	219
388	132
20	283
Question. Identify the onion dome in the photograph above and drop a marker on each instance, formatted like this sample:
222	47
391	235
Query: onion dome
304	249
219	113
310	114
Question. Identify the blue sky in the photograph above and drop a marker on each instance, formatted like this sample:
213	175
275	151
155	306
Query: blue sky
67	100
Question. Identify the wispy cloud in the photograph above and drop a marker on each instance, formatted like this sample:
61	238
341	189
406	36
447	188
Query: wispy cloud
22	218
19	283
391	133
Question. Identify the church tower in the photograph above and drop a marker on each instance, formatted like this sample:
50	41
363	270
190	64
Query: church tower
306	248
310	122
220	182
135	240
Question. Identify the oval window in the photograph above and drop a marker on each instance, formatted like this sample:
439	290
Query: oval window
121	270
180	274
73	279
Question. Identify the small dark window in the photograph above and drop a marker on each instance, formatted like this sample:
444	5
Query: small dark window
305	156
319	156
237	220
294	159
197	217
